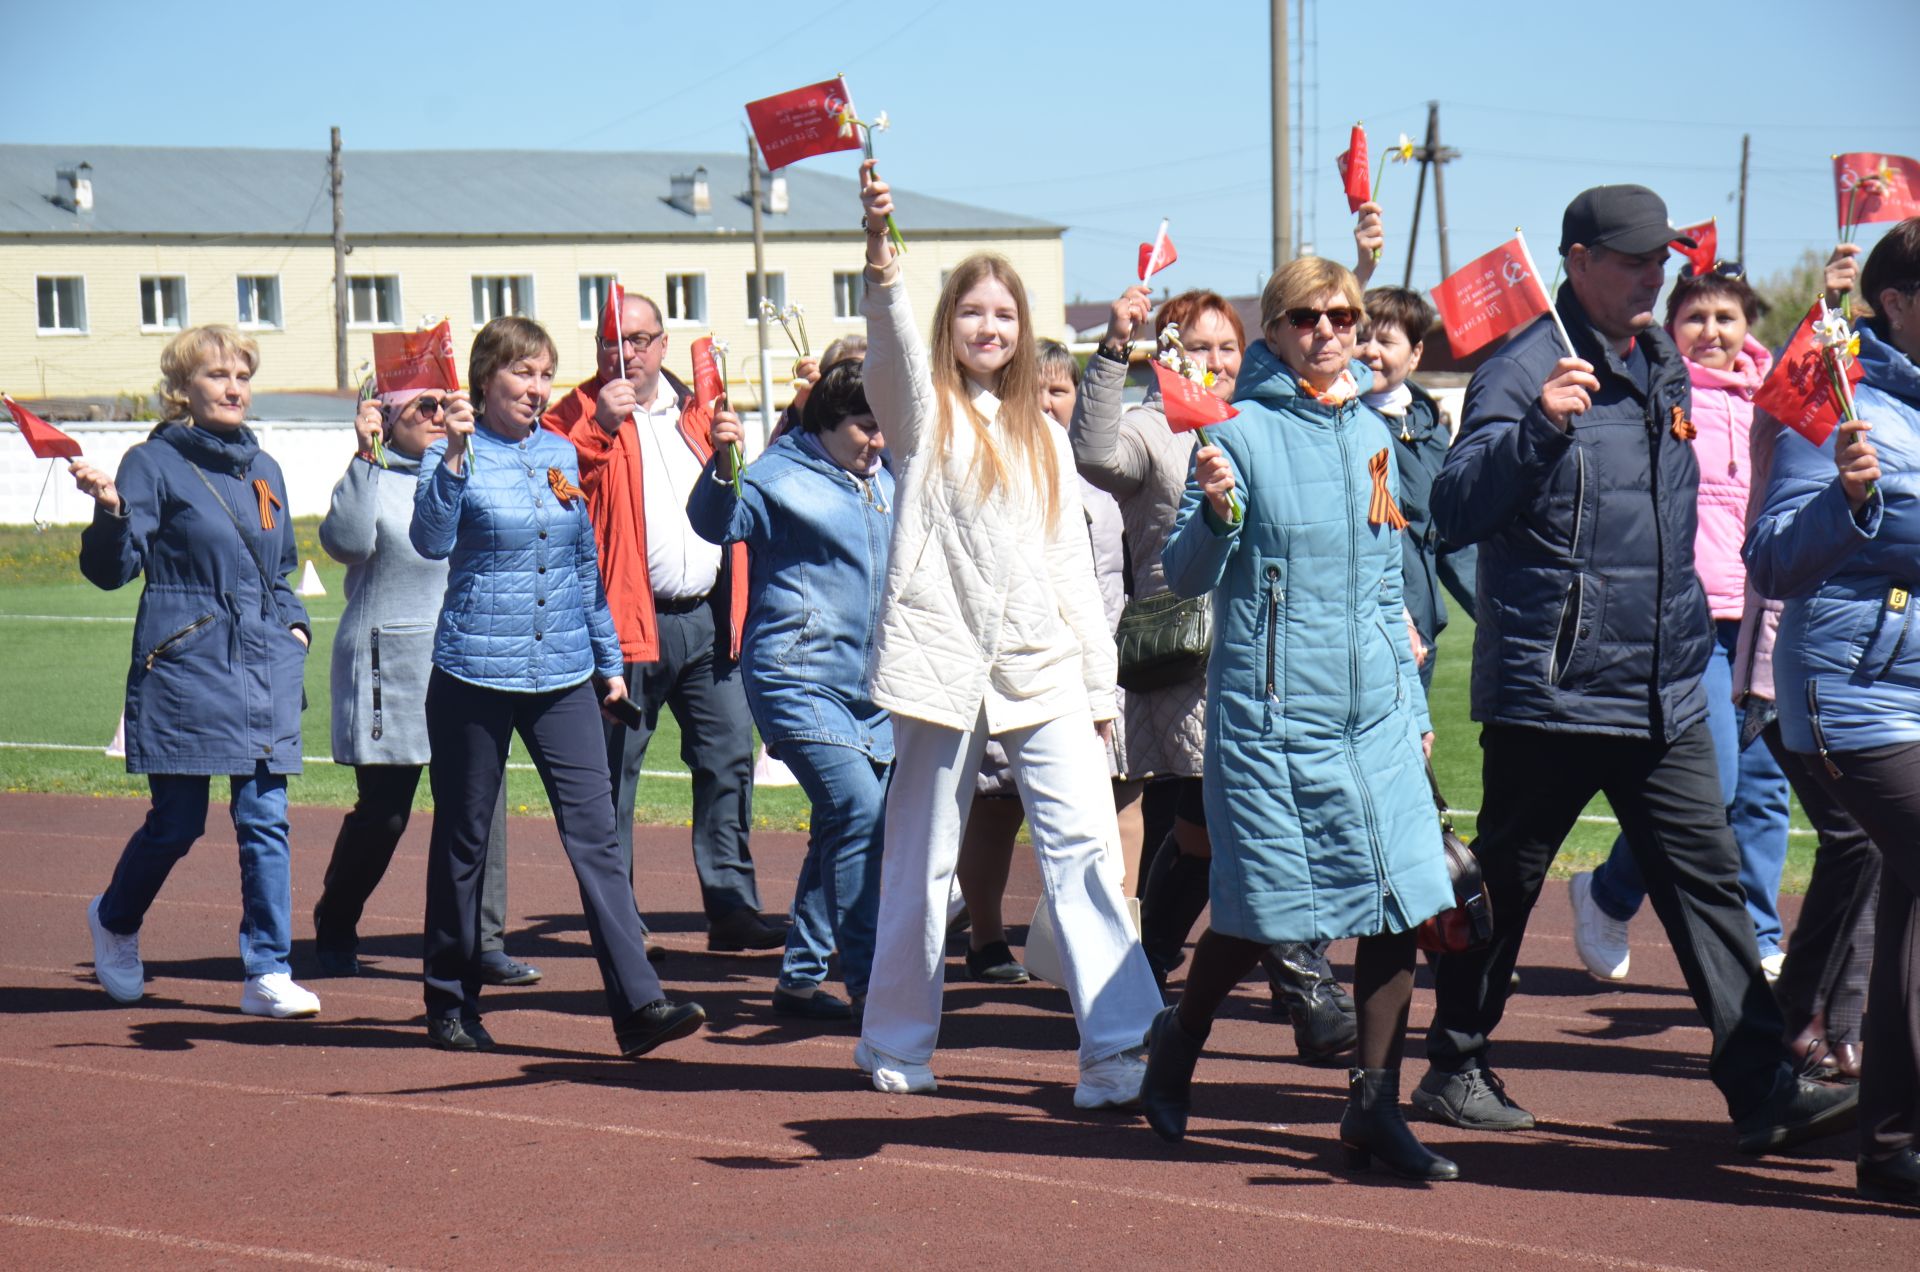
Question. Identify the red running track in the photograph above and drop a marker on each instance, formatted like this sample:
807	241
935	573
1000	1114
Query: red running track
179	1134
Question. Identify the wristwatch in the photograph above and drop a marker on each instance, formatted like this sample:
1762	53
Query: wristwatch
1118	354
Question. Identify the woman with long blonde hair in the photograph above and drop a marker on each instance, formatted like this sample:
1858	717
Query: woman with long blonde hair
992	626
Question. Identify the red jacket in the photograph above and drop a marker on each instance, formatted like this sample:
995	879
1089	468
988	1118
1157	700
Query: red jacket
610	475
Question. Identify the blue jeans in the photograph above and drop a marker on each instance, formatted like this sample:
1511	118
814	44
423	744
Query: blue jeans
1755	792
836	903
178	818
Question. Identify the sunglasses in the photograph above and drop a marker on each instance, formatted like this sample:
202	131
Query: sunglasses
1342	318
1721	269
430	405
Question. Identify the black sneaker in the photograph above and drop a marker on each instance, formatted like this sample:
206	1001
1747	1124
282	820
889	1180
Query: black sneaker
498	969
744	930
450	1033
659	1022
1796	1112
1474	1098
1895	1180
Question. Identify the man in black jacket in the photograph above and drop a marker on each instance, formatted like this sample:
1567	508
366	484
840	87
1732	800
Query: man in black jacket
1576	477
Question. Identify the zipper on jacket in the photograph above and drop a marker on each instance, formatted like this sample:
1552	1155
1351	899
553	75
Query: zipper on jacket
1274	596
1360	783
1819	734
167	644
1579	497
1900	641
373	652
1567	636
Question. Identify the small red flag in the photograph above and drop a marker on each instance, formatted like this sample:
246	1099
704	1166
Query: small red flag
1489	297
1869	188
405	360
802	123
707	385
1706	254
1354	172
1189	405
43	439
610	314
1157	255
1799	391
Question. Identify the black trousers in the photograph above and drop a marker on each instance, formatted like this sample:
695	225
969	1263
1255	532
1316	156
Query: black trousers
363	850
1881	788
469	726
1831	951
1667	797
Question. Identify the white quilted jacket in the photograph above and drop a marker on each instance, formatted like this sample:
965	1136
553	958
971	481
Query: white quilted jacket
986	605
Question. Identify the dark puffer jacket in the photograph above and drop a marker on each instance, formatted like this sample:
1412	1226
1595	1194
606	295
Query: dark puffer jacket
1591	618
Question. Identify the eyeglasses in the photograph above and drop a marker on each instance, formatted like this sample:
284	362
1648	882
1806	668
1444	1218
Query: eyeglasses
1342	318
430	405
1721	269
640	340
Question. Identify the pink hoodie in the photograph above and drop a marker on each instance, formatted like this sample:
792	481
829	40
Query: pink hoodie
1723	416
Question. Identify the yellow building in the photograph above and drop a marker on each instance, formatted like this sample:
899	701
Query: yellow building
106	251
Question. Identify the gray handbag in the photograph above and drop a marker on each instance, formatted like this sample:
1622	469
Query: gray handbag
1164	640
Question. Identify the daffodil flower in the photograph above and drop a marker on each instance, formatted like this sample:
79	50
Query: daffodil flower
1402	153
879	123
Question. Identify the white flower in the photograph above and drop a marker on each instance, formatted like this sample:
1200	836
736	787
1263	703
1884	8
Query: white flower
1403	152
1171	333
1832	331
879	123
768	312
1169	359
794	310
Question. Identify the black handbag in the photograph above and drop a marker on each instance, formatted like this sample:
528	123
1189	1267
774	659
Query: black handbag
1468	923
1164	640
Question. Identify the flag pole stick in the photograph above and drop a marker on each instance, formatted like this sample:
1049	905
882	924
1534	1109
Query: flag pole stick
1553	311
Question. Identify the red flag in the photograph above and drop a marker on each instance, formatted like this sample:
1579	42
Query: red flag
1492	295
405	360
1706	254
1189	405
1353	169
43	439
1798	391
707	385
610	314
1878	188
1157	255
802	123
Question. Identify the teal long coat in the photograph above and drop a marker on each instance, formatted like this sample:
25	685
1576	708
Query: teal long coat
1316	794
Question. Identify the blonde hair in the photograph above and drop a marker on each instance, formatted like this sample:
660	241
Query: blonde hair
1301	282
1023	426
508	339
192	350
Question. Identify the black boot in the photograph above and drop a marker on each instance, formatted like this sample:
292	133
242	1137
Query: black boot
1170	905
1373	1125
1167	1093
1305	988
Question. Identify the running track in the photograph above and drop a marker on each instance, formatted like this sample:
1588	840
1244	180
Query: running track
179	1134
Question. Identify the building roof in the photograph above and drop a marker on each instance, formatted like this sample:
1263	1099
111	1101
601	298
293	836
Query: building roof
141	190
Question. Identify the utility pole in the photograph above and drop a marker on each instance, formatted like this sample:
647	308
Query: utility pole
1281	130
1746	151
1434	155
339	269
760	273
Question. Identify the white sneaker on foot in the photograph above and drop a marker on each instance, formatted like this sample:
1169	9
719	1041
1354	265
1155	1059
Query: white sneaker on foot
116	960
1772	965
892	1074
276	995
1598	937
1112	1083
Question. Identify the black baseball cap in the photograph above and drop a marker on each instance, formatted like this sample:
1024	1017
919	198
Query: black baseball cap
1627	218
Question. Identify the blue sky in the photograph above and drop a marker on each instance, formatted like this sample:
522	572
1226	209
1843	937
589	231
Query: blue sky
1102	117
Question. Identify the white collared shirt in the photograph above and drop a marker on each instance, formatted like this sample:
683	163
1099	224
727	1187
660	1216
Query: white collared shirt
680	564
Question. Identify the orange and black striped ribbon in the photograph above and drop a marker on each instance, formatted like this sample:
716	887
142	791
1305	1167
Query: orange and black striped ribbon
1381	510
268	502
563	490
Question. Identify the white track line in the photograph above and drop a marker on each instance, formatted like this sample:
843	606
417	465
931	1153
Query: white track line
677	774
151	1237
118	618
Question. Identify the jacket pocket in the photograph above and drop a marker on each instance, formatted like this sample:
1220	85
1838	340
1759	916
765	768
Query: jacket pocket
170	646
1566	636
1887	635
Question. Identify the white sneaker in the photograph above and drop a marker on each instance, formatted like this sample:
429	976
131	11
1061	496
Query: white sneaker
276	995
1113	1083
892	1074
1772	965
116	960
1598	937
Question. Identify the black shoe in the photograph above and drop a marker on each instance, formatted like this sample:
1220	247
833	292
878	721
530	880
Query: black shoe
819	1005
1307	992
450	1033
498	969
1796	1112
1474	1099
1166	1095
1374	1126
1896	1180
744	929
996	965
658	1023
335	960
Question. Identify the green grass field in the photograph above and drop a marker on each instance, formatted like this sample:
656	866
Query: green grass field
68	645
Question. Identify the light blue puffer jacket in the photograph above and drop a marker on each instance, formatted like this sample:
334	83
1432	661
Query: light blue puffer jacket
525	610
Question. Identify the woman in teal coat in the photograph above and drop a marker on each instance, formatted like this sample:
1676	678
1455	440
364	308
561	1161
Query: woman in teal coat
1315	791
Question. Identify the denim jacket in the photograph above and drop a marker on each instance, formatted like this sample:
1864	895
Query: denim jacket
817	538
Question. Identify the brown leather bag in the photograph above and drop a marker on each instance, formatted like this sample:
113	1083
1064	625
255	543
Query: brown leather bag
1468	923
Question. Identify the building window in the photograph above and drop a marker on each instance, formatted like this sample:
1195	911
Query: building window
593	296
63	305
686	297
496	295
259	300
373	300
847	291
163	303
776	292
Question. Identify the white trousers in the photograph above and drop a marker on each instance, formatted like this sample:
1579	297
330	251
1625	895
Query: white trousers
1060	769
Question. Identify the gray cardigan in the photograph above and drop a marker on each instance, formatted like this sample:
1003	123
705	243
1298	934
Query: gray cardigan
383	651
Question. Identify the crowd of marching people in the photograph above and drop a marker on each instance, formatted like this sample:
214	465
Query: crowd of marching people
967	584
